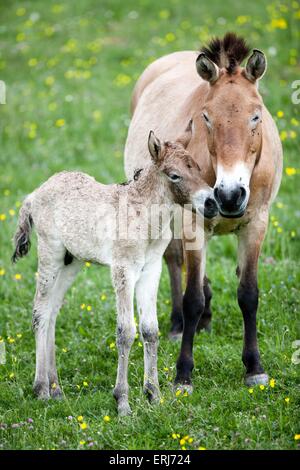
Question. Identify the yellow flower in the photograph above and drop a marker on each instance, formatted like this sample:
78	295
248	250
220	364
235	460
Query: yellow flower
174	436
279	229
10	340
53	386
60	122
122	80
242	19
293	134
85	384
32	62
190	440
11	375
2	272
297	437
166	369
272	383
279	205
140	345
83	426
164	14
293	233
2	217
12	212
89	308
294	122
182	441
88	264
112	345
19	335
49	80
280	114
103	297
18	277
20	37
97	115
290	171
82	443
262	387
201	448
287	400
106	419
283	135
279	23
64	350
183	448
178	392
170	37
80	418
21	11
82	306
161	401
250	390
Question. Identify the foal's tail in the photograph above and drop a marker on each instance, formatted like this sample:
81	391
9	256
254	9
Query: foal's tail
22	236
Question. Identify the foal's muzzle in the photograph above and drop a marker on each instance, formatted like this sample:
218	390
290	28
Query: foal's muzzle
205	204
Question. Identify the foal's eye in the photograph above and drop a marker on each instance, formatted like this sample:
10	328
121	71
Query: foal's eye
174	178
206	119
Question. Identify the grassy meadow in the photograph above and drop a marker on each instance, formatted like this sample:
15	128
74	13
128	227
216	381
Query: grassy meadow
69	69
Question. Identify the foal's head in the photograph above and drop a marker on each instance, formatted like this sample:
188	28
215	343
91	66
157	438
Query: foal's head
232	113
182	173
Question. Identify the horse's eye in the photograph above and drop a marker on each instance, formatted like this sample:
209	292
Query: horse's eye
174	178
255	119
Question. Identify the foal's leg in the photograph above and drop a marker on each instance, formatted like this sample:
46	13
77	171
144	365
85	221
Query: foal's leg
174	259
64	280
123	280
146	296
50	263
250	240
193	308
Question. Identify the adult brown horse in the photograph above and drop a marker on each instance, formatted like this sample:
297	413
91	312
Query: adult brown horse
236	143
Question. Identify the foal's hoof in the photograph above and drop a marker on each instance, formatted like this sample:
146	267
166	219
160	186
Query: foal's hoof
183	389
256	379
152	392
175	335
124	409
41	391
56	393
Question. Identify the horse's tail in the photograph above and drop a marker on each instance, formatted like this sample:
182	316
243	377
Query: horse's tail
22	236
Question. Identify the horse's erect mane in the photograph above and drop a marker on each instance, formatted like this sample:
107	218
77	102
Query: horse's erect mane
227	52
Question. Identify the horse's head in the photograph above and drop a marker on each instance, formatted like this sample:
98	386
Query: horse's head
183	173
232	113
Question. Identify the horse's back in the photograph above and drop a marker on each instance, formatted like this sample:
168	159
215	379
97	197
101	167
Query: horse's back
163	86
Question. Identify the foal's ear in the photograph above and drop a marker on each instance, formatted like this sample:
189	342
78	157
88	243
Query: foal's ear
256	66
207	69
185	138
154	147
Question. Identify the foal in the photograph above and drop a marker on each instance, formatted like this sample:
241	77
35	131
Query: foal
72	215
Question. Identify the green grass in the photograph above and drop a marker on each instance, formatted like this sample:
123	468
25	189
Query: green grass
95	51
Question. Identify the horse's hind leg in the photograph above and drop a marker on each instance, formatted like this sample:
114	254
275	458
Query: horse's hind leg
174	259
64	280
205	319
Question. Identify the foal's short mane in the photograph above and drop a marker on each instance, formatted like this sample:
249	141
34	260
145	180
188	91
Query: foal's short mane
227	52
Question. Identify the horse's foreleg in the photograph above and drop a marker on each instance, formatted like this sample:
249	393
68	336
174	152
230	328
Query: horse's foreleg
249	245
193	308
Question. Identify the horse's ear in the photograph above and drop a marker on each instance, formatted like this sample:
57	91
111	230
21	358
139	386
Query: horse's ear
185	138
154	147
256	66
207	69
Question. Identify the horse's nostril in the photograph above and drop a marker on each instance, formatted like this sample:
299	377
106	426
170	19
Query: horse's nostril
242	195
210	208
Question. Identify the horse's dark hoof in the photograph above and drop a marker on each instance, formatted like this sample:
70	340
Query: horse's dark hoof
183	389
256	379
